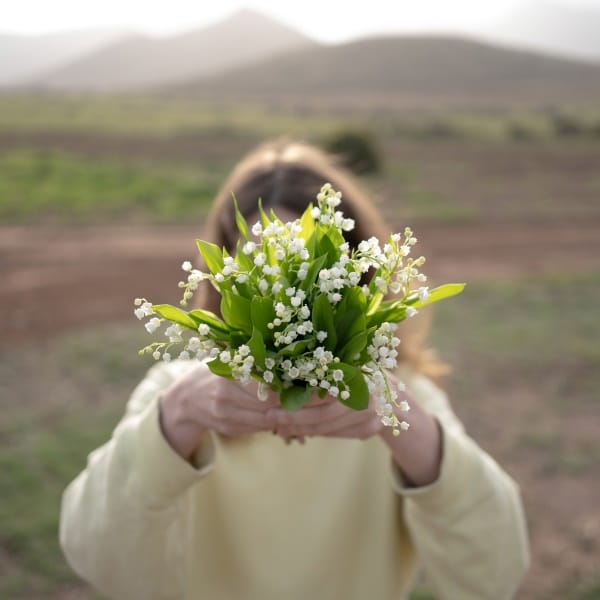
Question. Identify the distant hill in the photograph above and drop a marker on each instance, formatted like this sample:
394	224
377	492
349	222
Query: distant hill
409	70
23	57
142	62
558	28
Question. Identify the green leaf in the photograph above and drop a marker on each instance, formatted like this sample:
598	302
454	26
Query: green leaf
357	386
392	311
350	319
212	255
374	303
241	223
243	260
333	235
436	294
312	245
263	215
322	319
176	315
307	223
237	338
220	368
354	346
244	290
257	347
327	248
261	313
295	397
236	311
209	318
312	273
296	348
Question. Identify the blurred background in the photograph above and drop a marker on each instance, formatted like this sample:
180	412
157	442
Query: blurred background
479	126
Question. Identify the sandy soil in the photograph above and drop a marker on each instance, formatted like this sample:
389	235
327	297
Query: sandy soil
57	278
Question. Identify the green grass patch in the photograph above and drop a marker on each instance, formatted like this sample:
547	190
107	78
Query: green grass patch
50	185
530	327
158	115
164	115
59	401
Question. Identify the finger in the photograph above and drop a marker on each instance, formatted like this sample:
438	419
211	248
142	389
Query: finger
308	415
348	419
251	389
233	429
238	395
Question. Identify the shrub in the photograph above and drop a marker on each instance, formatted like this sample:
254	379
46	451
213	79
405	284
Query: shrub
357	150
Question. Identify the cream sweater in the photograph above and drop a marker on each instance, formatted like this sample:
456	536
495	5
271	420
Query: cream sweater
256	519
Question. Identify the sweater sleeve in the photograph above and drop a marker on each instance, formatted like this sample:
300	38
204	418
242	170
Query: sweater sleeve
120	526
468	526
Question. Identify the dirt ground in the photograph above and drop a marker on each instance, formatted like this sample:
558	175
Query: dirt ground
55	279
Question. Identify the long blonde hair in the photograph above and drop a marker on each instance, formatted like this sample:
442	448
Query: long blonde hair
288	175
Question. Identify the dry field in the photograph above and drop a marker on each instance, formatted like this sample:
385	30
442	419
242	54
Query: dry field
520	224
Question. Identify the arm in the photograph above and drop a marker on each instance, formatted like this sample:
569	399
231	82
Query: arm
468	526
119	521
463	511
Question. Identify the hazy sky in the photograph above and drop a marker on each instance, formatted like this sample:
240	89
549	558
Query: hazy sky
321	19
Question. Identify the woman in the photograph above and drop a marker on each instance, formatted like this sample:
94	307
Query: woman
195	497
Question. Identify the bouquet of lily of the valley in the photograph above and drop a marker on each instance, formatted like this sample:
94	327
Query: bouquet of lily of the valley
296	313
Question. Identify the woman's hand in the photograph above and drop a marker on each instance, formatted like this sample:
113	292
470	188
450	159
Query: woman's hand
417	451
325	417
201	401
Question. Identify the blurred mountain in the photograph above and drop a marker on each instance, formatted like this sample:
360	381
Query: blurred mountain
23	57
141	61
558	28
409	70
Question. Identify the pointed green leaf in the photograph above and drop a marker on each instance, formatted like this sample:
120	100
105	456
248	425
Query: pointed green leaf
327	248
307	223
295	397
322	319
436	294
357	386
241	223
350	319
374	303
333	235
261	313
209	318
296	348
243	260
312	273
176	315
353	347
236	311
220	368
257	347
263	215
212	255
391	311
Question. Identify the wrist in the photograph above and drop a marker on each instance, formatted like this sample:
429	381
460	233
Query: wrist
182	434
417	451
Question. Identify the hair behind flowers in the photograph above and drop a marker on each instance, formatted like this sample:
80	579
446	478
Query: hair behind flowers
288	175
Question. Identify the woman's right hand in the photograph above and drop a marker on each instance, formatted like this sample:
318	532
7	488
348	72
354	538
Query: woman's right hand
201	401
